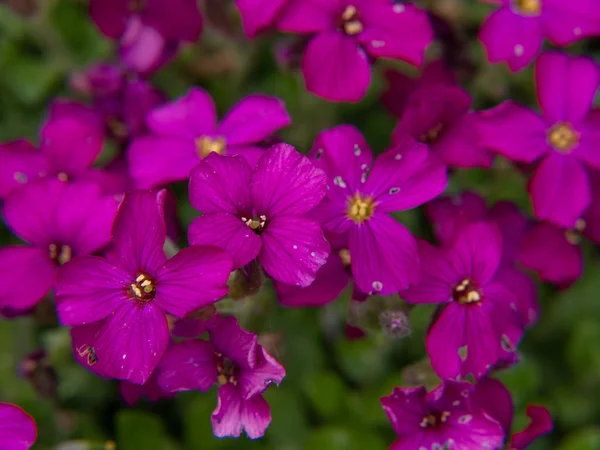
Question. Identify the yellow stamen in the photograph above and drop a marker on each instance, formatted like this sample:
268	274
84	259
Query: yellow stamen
563	137
351	24
345	257
205	146
529	6
359	208
466	293
143	288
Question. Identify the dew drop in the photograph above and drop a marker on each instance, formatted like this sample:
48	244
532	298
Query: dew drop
313	254
519	50
363	178
356	150
363	167
338	181
398	156
377	286
295	247
124	356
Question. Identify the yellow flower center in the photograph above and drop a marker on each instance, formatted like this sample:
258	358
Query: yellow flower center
350	21
143	288
432	134
61	254
359	208
466	293
345	257
205	146
573	235
434	419
257	224
529	6
563	137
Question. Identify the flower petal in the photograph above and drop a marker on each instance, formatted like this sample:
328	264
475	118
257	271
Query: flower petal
345	156
286	182
195	277
189	116
233	342
307	16
110	16
541	423
89	289
17	428
513	131
566	23
132	341
138	246
384	255
510	37
336	68
26	276
20	162
459	145
84	340
492	396
330	281
294	248
221	184
156	161
186	366
566	86
444	340
405	177
589	140
258	14
256	380
233	414
253	119
559	190
177	20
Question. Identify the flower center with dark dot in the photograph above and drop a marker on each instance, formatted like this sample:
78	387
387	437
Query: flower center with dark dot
434	419
360	208
206	145
256	223
563	137
350	21
431	135
466	293
227	370
528	6
60	254
143	289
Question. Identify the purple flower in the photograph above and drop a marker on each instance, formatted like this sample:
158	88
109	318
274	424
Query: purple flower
358	201
17	428
481	320
186	130
565	138
514	33
128	294
70	141
491	396
132	393
261	212
439	116
59	221
177	20
442	418
400	87
233	359
258	14
347	35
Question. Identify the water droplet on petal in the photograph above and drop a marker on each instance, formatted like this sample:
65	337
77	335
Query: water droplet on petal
356	150
398	157
338	181
377	286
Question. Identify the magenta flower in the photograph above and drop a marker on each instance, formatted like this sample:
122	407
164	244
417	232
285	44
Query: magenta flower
439	116
59	221
514	33
70	141
262	212
233	359
384	253
186	130
442	418
178	20
565	138
491	396
590	223
400	87
258	15
17	428
465	279
347	35
132	393
131	290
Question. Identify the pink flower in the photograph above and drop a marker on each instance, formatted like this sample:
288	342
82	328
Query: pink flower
127	294
186	131
233	359
514	33
258	14
347	34
17	428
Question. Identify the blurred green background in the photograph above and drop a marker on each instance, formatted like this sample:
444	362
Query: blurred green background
330	397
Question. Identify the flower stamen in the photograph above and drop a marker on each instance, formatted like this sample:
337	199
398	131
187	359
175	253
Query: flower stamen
359	208
466	293
60	254
143	288
350	22
532	7
206	145
563	137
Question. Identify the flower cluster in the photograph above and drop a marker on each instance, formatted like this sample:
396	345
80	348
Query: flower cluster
99	236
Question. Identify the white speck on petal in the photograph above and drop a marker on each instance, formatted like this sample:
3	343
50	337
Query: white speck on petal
577	31
465	419
338	181
456	403
356	150
363	178
519	50
313	254
377	285
20	177
394	190
398	8
363	167
295	247
124	356
398	157
378	44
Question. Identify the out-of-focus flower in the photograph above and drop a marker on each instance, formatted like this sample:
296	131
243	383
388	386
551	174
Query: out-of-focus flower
59	221
480	321
150	390
565	138
127	294
258	15
233	359
17	428
514	33
261	212
347	35
358	201
186	130
442	418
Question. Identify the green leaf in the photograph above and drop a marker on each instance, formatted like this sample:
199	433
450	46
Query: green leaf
325	391
139	430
